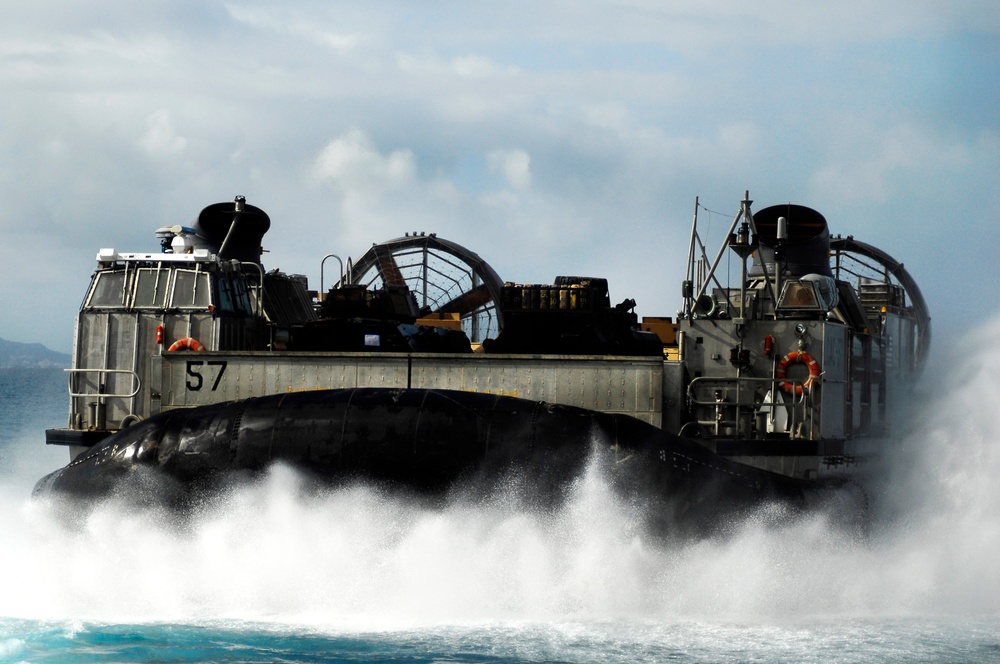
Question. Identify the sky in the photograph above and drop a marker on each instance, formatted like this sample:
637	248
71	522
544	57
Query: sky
550	138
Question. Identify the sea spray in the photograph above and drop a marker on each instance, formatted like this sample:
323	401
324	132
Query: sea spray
944	529
276	550
357	556
360	557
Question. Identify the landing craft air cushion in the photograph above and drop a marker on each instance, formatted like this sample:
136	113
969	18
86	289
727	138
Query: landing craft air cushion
421	367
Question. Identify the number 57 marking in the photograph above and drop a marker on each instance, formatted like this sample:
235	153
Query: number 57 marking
195	380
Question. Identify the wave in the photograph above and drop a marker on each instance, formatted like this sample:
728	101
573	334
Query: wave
278	551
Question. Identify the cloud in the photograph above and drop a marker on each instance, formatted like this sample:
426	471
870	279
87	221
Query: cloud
161	138
352	162
869	163
689	23
352	123
370	185
514	165
477	66
294	24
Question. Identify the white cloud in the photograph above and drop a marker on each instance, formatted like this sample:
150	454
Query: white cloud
161	137
868	163
281	19
693	25
610	115
513	165
477	66
352	162
373	188
467	66
484	125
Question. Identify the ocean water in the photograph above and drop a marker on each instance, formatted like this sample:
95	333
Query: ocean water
272	572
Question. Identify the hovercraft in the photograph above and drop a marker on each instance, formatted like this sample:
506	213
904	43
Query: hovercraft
421	367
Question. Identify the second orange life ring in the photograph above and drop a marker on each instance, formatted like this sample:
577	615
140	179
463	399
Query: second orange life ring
791	358
187	343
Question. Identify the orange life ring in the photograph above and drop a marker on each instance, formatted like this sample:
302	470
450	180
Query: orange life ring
187	343
796	356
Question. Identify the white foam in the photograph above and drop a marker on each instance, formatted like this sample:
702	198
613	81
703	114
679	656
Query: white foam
357	557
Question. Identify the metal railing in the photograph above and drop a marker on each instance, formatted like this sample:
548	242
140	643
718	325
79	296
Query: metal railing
322	265
741	396
102	373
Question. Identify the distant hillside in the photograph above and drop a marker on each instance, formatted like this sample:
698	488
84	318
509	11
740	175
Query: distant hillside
15	354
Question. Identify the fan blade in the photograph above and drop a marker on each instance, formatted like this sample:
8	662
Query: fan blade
388	268
467	302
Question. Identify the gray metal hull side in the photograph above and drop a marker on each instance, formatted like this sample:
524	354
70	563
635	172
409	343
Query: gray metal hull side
625	385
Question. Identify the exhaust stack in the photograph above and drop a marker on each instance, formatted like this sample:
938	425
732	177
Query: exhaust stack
798	235
234	230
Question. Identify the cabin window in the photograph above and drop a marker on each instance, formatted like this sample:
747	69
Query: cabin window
226	298
243	299
798	295
815	292
233	295
151	288
108	290
191	290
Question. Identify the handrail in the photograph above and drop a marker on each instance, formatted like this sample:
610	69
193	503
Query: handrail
322	264
758	406
260	286
102	372
748	379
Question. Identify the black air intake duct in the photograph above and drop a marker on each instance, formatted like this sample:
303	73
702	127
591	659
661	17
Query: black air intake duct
806	248
234	230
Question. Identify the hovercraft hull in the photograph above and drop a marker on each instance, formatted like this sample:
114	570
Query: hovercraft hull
427	440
